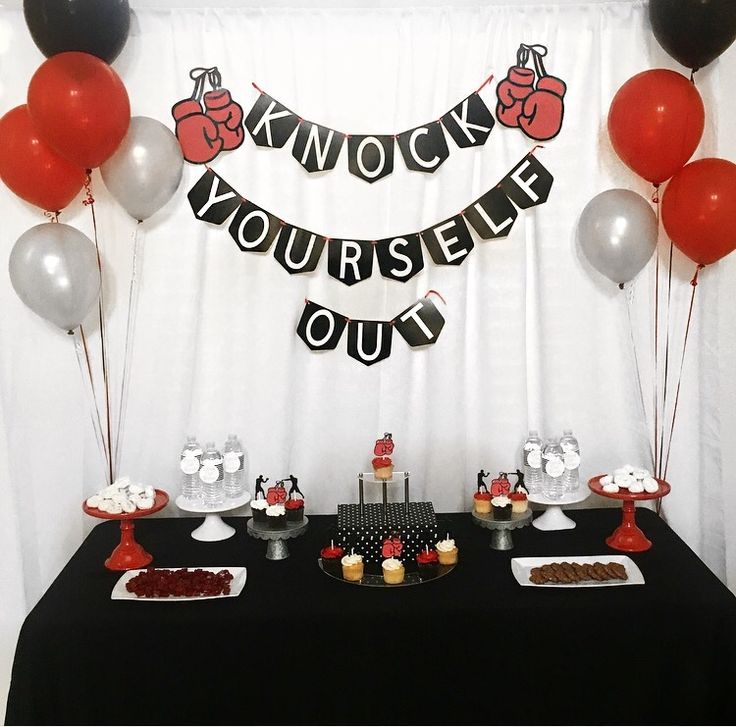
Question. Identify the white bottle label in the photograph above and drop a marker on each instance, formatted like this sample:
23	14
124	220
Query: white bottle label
189	464
210	472
233	462
554	467
572	460
534	459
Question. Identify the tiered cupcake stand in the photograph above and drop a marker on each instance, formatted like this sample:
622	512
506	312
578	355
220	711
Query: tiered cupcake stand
277	548
501	529
214	527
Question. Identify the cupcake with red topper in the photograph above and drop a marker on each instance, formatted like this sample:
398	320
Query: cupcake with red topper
331	556
519	496
482	498
383	466
295	503
427	563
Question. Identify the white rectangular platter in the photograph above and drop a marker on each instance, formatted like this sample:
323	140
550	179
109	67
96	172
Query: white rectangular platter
119	592
521	567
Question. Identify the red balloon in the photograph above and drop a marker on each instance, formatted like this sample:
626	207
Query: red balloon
699	209
655	123
34	171
80	107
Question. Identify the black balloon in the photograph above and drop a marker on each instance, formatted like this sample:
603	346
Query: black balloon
693	32
97	27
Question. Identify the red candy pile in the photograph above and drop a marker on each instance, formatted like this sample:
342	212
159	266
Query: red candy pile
163	582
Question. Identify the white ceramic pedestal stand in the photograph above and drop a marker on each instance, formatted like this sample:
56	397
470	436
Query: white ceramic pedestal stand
554	518
213	528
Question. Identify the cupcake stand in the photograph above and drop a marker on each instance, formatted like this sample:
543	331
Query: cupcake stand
129	554
501	529
553	518
628	537
411	578
214	527
277	548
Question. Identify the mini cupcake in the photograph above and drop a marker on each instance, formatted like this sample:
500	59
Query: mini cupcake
383	468
331	556
427	562
276	517
294	510
519	502
482	502
393	571
352	567
501	508
447	551
258	508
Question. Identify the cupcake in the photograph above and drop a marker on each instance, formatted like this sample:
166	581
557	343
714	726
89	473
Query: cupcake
519	502
294	510
501	508
447	551
331	556
258	508
427	562
383	468
352	567
276	517
393	571
482	502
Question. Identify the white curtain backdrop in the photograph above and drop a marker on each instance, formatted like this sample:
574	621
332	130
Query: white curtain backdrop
533	337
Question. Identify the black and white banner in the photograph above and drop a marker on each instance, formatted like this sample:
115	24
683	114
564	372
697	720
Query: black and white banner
350	260
370	156
370	341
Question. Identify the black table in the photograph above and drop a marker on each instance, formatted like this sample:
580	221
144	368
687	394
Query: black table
298	647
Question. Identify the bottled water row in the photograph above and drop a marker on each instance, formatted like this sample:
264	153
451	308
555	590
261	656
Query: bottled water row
209	476
552	466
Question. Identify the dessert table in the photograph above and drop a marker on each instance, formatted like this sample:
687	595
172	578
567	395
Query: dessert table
299	647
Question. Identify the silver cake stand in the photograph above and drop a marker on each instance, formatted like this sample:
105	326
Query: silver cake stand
501	529
277	548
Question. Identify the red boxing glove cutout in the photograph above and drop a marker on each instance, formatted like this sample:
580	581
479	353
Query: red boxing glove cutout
197	134
541	116
228	116
276	495
512	92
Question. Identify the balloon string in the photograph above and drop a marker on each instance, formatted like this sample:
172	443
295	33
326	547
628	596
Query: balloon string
52	216
85	369
666	355
694	284
129	337
655	199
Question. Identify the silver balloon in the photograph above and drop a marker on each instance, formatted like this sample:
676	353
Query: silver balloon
53	269
145	171
617	234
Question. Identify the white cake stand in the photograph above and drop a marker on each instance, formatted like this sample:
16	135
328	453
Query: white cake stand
213	528
553	518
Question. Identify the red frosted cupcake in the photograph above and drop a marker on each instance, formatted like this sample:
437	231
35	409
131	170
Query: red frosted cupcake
519	502
383	468
294	510
482	502
331	556
427	563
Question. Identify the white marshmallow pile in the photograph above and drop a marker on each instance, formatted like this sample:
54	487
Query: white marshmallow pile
123	495
633	479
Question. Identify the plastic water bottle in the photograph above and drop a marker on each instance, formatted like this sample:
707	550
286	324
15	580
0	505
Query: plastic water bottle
554	467
211	475
233	464
571	459
532	454
189	464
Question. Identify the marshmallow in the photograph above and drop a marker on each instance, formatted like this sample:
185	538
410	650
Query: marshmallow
128	506
624	481
636	487
641	474
651	485
145	503
606	480
610	488
135	489
93	501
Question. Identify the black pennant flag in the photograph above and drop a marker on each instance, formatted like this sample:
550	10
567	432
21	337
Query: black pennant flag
371	157
470	122
319	327
492	215
316	147
297	250
528	183
270	123
420	324
424	148
213	199
449	242
350	261
253	229
369	341
400	258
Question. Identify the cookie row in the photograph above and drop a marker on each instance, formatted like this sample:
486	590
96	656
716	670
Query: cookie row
565	572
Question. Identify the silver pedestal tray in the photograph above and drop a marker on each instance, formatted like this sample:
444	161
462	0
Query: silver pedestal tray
553	518
277	548
213	528
501	529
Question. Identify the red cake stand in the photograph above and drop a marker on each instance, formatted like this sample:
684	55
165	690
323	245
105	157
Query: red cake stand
129	554
627	537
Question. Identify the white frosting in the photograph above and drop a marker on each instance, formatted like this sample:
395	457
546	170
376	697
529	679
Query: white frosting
258	504
610	488
391	564
275	510
446	545
500	501
351	559
650	485
521	488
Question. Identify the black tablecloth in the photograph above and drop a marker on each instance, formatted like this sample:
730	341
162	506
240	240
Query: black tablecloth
298	647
